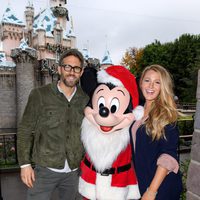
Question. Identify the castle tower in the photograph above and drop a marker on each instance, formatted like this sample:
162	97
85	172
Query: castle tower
58	3
11	32
106	60
25	58
59	11
7	94
29	17
71	33
11	29
41	37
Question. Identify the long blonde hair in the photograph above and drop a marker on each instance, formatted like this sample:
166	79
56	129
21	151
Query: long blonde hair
163	110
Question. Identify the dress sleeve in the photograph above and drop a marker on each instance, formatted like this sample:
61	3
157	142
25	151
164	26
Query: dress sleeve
169	147
168	162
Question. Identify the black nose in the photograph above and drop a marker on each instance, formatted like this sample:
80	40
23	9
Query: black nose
104	112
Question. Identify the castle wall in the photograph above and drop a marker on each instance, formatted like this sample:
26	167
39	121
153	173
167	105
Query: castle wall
8	101
29	71
12	34
25	83
193	176
25	76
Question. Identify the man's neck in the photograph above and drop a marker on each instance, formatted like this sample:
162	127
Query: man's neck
66	90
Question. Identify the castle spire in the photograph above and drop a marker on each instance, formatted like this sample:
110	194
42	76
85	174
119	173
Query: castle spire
30	3
58	3
72	25
106	60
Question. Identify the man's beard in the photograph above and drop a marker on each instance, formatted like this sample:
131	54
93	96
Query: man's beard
69	83
103	149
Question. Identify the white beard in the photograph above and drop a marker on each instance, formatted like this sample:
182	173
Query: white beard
103	149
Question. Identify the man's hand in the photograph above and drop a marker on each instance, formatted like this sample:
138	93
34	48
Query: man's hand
28	176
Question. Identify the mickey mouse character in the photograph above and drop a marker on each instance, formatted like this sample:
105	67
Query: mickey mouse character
106	170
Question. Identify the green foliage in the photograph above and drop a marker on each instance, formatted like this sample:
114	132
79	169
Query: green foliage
186	127
181	58
7	151
131	58
184	169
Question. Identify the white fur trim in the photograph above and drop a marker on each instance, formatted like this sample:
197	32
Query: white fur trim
104	191
103	149
104	77
133	192
87	189
138	112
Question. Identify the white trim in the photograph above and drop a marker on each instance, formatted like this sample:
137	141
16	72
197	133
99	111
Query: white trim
87	189
104	77
138	112
133	192
104	191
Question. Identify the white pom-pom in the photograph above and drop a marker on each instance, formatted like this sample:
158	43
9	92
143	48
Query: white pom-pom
138	112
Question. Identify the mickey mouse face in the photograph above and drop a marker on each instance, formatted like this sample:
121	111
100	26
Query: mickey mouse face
108	108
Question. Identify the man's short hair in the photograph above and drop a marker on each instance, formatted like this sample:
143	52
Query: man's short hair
72	52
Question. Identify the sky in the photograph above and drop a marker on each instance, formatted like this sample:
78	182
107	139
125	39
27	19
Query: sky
117	25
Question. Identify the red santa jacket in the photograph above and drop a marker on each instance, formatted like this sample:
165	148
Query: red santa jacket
117	183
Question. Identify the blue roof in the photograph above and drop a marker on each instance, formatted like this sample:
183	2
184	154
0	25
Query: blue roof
47	21
4	62
106	59
44	20
10	17
85	53
23	44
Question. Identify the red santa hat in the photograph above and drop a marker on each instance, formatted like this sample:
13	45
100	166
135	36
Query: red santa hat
120	76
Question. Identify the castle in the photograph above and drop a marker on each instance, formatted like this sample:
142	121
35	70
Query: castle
29	53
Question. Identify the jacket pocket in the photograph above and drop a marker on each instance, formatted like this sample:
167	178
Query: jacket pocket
49	136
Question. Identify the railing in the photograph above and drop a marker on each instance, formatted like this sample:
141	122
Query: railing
8	149
186	106
185	142
8	153
8	143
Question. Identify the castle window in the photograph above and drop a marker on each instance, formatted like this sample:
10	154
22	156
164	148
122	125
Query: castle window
58	37
57	56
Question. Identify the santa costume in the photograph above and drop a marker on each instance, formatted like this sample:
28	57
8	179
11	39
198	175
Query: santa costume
106	170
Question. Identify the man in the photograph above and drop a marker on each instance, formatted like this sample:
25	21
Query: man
49	133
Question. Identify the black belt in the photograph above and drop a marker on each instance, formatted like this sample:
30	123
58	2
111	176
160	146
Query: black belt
107	172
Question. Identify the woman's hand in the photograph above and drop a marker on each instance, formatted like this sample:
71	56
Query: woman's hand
149	195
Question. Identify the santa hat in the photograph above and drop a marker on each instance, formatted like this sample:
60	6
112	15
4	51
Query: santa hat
120	76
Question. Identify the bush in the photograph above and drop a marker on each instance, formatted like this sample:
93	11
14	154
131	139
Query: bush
184	169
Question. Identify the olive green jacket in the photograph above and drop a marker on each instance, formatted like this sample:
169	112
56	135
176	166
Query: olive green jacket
49	131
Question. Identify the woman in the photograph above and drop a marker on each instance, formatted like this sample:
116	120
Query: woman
155	138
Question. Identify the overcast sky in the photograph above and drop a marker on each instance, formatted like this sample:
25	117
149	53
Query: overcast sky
120	24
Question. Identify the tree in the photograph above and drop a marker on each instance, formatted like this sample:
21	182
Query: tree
181	58
131	58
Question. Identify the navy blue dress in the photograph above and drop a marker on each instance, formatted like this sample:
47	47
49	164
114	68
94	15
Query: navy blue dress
145	160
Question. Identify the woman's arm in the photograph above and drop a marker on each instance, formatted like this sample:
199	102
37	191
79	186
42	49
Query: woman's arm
151	192
169	148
